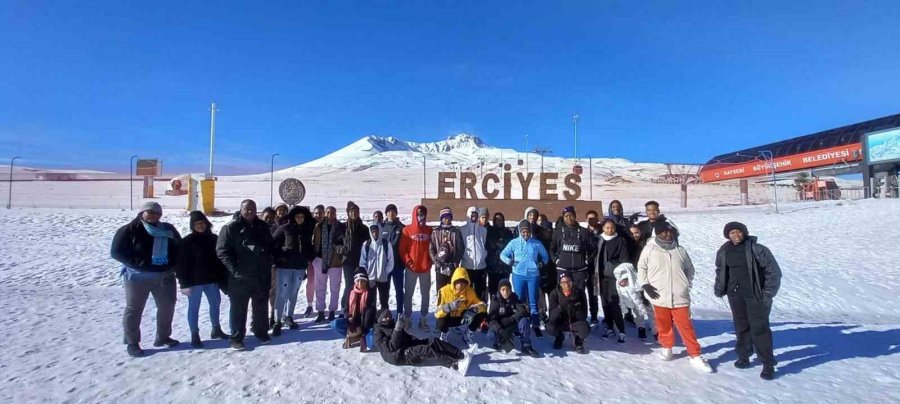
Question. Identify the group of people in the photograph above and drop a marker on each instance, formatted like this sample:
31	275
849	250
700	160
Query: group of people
512	283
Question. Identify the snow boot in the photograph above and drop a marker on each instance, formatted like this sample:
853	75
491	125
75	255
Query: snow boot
309	312
276	329
528	350
167	342
742	363
264	339
320	318
621	338
579	345
217	333
666	354
768	372
642	333
195	340
609	333
289	322
701	364
508	345
135	351
423	325
237	345
330	316
594	321
629	318
557	342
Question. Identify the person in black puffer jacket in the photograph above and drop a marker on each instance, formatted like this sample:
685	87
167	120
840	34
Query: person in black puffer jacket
612	250
498	236
293	252
399	348
245	247
748	273
509	317
199	273
573	251
148	252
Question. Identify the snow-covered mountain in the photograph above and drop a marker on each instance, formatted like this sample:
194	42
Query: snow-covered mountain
471	153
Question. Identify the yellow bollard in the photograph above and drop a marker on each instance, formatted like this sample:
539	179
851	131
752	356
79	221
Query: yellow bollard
208	195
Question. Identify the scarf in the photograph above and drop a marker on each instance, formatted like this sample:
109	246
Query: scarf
160	255
667	245
326	243
358	301
608	238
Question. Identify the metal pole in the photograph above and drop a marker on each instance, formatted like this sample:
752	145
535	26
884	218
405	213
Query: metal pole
272	182
526	153
591	177
131	182
575	121
771	159
9	201
212	136
424	175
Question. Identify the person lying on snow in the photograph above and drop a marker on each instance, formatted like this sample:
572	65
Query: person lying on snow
508	318
397	347
361	315
459	306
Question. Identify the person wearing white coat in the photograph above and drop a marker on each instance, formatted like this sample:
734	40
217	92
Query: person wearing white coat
474	258
377	260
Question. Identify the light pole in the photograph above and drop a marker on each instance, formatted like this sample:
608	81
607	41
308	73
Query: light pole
131	182
591	177
9	201
212	136
542	151
575	122
526	153
272	181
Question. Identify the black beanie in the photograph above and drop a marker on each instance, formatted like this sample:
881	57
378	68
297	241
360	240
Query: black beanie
735	225
524	224
352	206
502	283
390	207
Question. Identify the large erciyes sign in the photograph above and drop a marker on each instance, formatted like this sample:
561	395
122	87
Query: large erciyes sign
465	185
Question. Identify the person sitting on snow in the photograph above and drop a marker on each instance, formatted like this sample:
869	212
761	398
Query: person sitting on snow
459	306
507	318
631	297
361	314
568	312
397	347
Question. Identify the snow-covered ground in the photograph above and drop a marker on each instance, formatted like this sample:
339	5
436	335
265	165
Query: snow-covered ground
836	328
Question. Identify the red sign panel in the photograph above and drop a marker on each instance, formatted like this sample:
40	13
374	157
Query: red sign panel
756	168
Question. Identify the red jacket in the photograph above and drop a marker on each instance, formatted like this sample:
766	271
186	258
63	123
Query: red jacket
414	244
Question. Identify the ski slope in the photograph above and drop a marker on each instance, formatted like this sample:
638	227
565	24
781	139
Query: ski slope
835	323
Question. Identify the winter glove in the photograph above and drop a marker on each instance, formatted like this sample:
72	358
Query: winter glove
401	323
650	291
186	291
633	218
452	306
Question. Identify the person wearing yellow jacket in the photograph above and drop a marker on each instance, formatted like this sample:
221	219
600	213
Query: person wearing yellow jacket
458	305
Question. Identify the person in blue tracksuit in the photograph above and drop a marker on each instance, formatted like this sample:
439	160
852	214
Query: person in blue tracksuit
526	256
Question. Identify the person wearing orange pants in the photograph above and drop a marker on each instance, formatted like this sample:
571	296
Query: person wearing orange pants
665	273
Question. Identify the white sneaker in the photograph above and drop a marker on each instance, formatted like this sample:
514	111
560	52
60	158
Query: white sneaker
666	354
700	364
423	325
445	336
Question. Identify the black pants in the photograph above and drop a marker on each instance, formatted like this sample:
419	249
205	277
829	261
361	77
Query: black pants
751	326
441	280
382	289
609	298
238	314
444	323
431	349
560	322
493	282
478	277
583	280
349	270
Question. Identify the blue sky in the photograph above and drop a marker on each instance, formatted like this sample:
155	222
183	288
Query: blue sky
87	84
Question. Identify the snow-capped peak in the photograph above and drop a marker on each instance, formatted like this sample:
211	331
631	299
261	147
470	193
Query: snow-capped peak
378	144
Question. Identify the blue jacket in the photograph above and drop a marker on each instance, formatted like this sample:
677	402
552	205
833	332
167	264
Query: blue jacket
523	256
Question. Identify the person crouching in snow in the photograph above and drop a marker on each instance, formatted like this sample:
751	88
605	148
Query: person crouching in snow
631	297
665	273
377	260
507	318
399	348
361	312
568	312
459	306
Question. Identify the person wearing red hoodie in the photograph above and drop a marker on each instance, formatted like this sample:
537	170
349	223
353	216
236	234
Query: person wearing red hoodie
414	247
